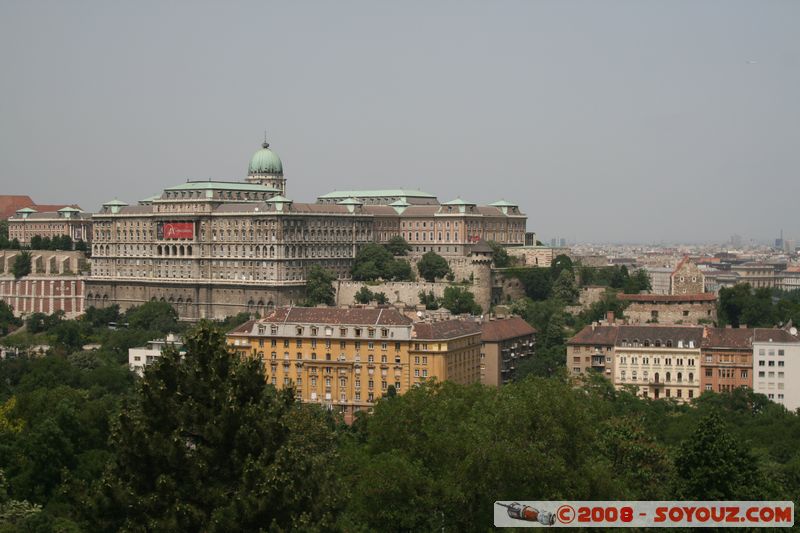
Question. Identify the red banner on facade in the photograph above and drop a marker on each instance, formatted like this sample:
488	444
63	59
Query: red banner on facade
176	230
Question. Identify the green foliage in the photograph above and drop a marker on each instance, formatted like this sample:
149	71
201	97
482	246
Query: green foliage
81	246
546	363
537	281
599	309
8	321
429	300
374	261
432	266
500	255
5	244
100	318
365	296
559	263
202	443
232	322
564	288
459	300
153	316
40	322
22	264
207	445
57	242
712	465
397	245
740	305
638	282
319	287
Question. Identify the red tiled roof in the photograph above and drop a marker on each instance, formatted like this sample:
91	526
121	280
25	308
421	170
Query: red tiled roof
731	338
505	328
445	329
9	203
384	316
595	335
244	328
669	298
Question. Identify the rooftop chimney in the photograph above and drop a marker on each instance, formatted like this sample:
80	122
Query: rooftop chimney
610	317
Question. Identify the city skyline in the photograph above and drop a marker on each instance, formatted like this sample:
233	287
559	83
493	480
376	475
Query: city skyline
596	119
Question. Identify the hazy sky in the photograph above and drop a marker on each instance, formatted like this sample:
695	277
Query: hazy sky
605	120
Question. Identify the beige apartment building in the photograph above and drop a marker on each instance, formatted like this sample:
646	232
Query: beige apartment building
346	359
505	342
217	248
592	348
661	361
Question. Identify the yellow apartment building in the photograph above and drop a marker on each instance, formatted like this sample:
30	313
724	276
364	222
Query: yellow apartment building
347	358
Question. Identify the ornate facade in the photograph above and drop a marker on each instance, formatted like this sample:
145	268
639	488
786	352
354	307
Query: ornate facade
216	248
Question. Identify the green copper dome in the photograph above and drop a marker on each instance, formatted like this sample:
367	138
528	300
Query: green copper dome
265	161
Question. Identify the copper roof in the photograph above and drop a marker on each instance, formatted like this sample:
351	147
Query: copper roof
445	329
669	298
505	328
730	338
384	316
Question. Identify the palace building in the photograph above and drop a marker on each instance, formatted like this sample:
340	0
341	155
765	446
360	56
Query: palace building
217	248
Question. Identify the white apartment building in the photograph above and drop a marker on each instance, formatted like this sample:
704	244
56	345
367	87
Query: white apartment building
776	366
138	358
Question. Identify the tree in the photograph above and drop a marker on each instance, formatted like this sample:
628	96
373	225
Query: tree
81	246
319	286
500	255
559	263
100	318
374	261
429	300
22	264
7	319
364	295
564	288
638	282
538	281
712	465
207	445
397	245
741	305
398	270
370	262
67	335
432	266
459	300
153	316
554	334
